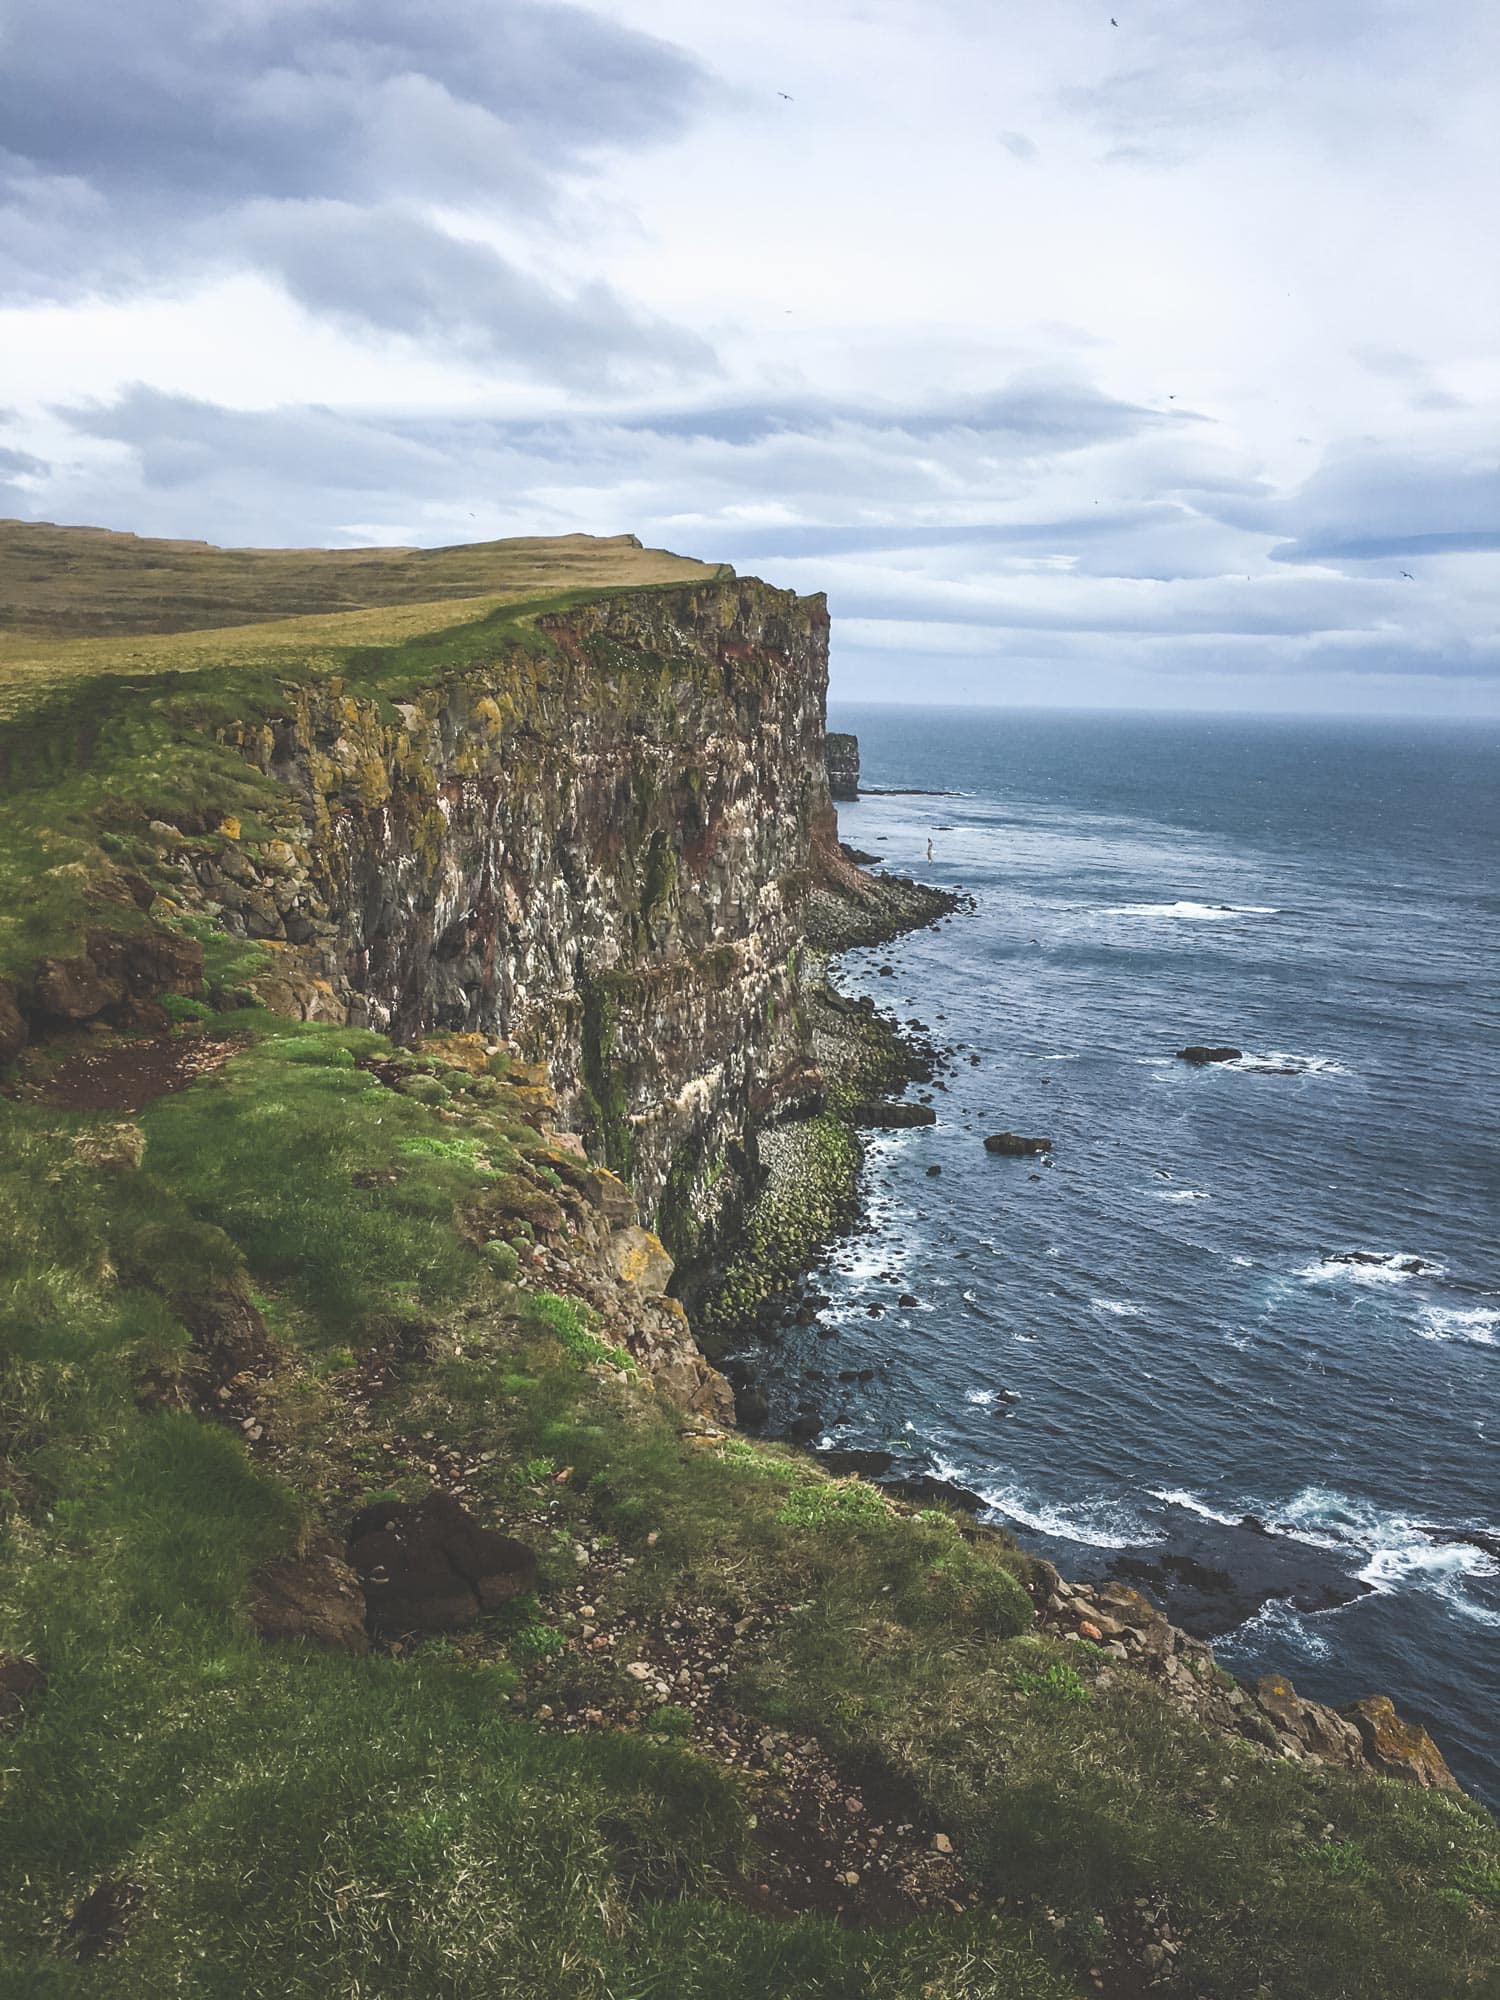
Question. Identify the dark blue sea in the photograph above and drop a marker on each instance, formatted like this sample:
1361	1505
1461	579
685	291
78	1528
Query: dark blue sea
1239	1341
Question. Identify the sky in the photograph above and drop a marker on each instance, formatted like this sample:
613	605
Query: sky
1146	361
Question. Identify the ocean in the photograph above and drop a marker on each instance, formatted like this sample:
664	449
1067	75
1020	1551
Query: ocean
1237	1340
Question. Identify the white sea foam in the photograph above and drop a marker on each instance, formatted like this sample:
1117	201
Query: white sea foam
1118	1308
1198	913
1178	1496
1098	1524
983	1398
1478	1324
1281	1627
1181	1194
1398	1550
1245	1263
1276	1060
1391	1269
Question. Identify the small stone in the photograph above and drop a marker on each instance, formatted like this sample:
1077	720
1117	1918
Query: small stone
1087	1629
639	1671
941	1844
850	1878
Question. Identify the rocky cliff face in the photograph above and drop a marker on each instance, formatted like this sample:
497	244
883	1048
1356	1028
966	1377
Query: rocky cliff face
598	847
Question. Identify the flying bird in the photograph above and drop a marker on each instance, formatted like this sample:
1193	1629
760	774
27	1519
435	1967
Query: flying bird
1113	22
1408	575
787	95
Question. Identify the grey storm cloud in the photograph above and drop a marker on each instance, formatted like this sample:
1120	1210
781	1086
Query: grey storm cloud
142	143
1374	506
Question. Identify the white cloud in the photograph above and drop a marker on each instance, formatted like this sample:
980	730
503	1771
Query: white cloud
1122	358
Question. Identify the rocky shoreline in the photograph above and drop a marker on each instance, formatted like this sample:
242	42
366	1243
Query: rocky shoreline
866	1059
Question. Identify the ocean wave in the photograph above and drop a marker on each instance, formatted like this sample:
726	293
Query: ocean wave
1118	1308
1245	1263
1198	913
982	1398
1178	1496
1370	1267
1279	1628
1395	1551
1474	1323
1096	1524
1181	1194
1278	1063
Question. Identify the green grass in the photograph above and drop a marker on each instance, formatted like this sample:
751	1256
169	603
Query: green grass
307	1825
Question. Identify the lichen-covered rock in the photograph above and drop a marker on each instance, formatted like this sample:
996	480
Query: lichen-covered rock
114	1149
1399	1749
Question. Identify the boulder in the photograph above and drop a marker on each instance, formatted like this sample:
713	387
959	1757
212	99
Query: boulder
1014	1146
428	1566
1398	1749
875	1112
316	1597
1198	1055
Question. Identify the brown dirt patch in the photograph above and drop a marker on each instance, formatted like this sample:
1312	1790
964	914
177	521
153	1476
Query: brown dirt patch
127	1076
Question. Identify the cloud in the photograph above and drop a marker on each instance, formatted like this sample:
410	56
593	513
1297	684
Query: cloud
392	269
312	140
1374	505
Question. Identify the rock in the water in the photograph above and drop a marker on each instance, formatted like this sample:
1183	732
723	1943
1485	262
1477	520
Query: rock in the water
1014	1146
1398	1749
841	755
316	1597
874	1111
428	1566
933	1172
1198	1054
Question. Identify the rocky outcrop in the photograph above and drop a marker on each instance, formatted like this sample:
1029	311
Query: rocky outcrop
841	755
1200	1055
1369	1738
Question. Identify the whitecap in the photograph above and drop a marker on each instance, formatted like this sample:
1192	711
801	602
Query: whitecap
1398	1551
1118	1308
1277	1062
983	1398
1474	1323
1281	1628
1098	1524
1198	913
1245	1263
1181	1194
1179	1496
1390	1268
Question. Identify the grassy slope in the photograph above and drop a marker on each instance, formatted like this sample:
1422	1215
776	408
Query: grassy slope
302	1824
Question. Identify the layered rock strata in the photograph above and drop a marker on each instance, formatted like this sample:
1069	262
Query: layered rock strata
599	847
